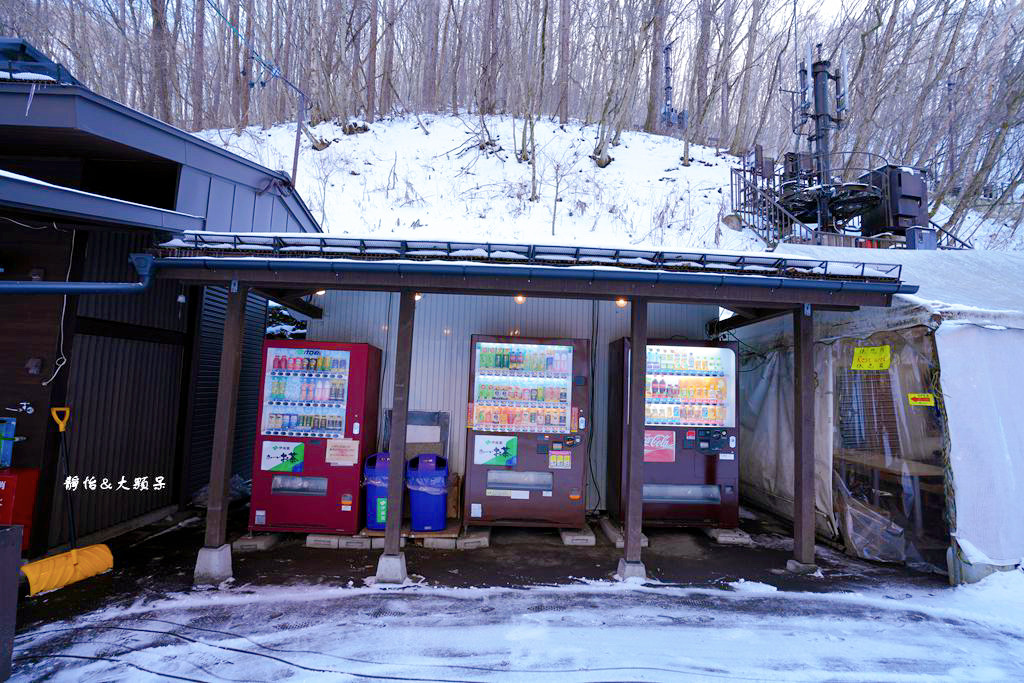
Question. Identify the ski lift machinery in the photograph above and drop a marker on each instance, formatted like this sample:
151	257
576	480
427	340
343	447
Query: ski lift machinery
809	190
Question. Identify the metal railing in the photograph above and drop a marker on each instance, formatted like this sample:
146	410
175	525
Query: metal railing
948	240
760	211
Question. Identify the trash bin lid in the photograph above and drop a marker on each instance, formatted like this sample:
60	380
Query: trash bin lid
378	461
427	461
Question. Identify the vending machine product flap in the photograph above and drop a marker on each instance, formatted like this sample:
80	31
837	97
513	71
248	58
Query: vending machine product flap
524	481
682	493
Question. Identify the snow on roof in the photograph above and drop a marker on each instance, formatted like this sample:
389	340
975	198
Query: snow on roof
984	280
26	76
972	285
208	244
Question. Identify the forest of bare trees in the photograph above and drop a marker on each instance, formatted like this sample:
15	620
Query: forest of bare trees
933	83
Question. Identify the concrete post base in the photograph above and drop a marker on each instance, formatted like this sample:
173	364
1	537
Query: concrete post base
795	567
631	570
391	569
213	566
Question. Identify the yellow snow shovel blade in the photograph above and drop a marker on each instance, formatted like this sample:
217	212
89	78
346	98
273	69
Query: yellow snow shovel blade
78	563
60	570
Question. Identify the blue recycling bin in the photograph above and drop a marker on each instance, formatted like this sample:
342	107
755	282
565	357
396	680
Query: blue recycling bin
426	477
375	477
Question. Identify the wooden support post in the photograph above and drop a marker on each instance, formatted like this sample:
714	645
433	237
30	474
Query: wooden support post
803	432
630	565
214	563
391	567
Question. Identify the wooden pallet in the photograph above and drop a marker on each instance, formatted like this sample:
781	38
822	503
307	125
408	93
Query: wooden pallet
451	530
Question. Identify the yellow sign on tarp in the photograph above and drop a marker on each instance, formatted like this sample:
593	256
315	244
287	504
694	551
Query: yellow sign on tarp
871	358
921	399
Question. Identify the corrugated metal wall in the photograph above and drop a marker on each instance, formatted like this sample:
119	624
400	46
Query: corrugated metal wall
124	400
106	260
444	324
204	395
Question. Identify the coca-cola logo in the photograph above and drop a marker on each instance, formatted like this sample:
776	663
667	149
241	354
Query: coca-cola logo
659	446
659	440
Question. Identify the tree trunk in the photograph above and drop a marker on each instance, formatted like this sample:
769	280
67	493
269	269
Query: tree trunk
564	28
489	59
371	66
428	94
387	86
161	60
738	147
247	65
198	64
698	101
656	91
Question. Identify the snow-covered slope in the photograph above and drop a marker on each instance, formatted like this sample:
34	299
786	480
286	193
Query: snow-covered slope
407	181
401	181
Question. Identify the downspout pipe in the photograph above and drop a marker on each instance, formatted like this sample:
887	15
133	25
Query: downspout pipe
143	266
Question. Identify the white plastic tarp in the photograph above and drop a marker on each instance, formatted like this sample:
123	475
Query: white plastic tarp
766	434
982	380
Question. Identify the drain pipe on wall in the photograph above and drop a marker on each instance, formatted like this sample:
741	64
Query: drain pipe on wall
143	265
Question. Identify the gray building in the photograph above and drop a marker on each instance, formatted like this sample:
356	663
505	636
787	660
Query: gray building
84	182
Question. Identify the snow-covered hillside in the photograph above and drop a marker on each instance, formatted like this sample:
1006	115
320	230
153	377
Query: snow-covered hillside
407	181
401	181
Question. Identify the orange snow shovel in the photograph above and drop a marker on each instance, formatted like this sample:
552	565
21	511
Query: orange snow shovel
59	570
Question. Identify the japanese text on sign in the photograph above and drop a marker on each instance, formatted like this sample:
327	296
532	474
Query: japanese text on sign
90	483
921	399
871	358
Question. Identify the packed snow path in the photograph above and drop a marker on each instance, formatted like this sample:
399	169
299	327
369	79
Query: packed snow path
588	632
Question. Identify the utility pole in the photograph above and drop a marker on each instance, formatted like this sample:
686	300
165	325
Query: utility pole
298	135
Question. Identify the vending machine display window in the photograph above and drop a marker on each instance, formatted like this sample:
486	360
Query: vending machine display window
689	386
522	388
305	395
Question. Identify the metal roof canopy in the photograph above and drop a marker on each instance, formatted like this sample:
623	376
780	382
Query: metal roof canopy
759	280
49	119
43	201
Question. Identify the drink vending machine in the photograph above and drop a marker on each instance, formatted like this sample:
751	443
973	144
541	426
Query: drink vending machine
528	421
318	422
690	471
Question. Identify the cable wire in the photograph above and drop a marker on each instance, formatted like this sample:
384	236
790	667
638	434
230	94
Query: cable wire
61	358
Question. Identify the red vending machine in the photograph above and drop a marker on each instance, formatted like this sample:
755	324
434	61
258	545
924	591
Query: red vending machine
528	420
690	472
318	422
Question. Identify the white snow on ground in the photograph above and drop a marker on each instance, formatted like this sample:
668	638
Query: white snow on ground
592	631
397	182
987	233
